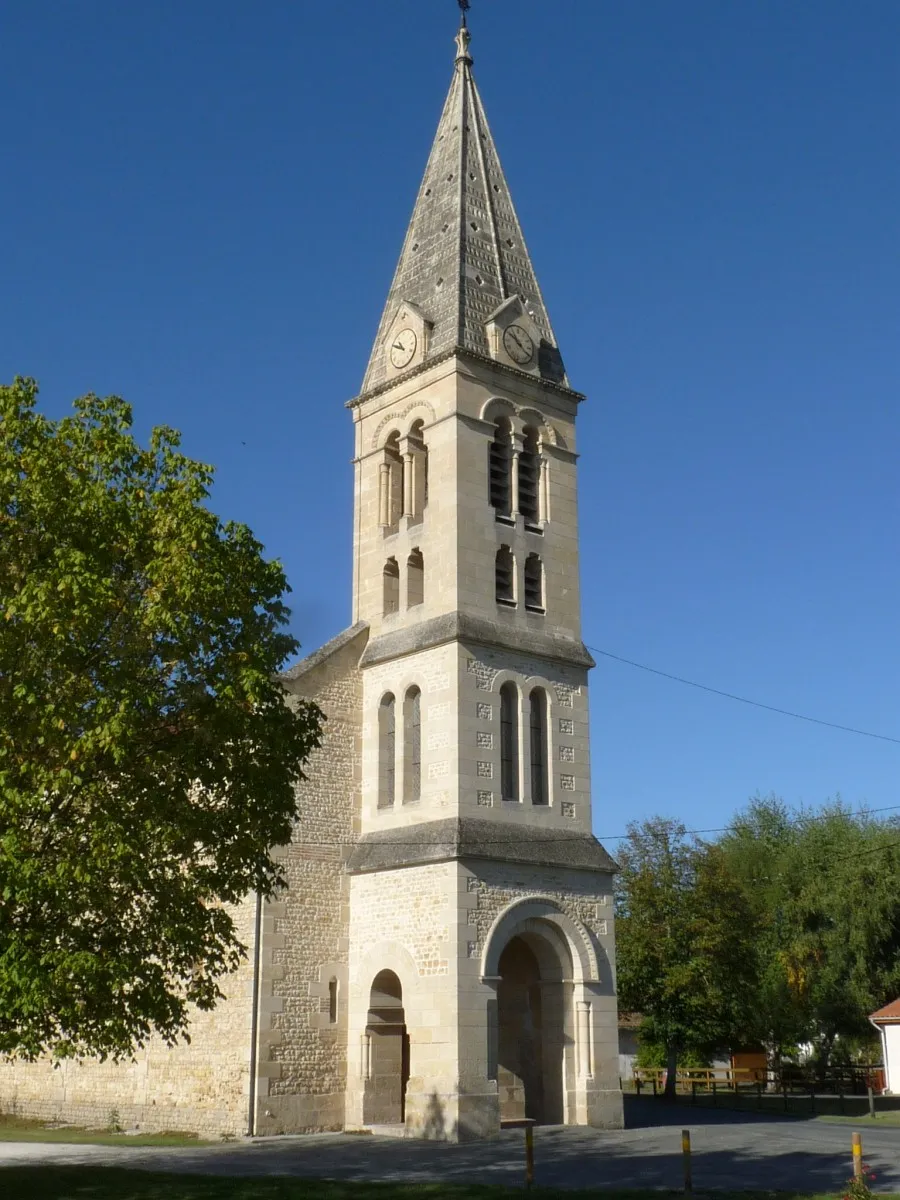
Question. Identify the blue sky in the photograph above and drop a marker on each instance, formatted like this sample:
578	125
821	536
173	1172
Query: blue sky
202	211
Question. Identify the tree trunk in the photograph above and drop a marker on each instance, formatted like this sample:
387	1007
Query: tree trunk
671	1070
773	1064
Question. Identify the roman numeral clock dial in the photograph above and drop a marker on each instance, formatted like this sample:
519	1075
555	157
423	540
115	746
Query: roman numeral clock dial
403	347
518	344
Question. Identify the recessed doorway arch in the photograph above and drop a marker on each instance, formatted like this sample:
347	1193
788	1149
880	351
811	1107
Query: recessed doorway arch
384	1102
534	1007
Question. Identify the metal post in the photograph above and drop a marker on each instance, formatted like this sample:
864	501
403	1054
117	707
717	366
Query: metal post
637	1085
871	1102
857	1156
686	1156
529	1156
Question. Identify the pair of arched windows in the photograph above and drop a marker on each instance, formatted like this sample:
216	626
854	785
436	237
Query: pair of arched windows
517	477
403	478
537	731
506	582
415	582
411	744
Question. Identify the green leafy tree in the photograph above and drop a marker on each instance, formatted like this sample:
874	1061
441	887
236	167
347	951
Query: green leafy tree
841	923
756	846
148	760
825	889
684	929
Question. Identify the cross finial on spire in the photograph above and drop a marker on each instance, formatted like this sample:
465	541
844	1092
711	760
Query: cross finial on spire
463	37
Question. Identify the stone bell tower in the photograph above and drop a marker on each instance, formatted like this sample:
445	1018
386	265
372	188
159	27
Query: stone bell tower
480	981
441	957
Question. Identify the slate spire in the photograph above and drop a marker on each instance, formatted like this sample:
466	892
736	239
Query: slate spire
464	253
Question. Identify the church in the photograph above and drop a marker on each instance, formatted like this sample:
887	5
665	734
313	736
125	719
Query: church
442	960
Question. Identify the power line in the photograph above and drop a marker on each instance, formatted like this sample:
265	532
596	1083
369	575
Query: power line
703	687
570	837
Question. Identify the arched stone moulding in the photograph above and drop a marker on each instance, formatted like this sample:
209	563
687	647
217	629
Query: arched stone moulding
542	916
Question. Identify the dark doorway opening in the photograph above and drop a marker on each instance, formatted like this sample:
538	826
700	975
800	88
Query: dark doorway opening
385	1094
531	1010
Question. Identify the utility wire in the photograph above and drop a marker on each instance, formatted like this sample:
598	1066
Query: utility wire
703	687
574	837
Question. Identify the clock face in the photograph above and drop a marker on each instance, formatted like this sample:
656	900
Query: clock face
403	347
518	344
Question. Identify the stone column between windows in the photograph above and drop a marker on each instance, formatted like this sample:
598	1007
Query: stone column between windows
583	1038
409	478
384	495
514	475
544	491
365	1057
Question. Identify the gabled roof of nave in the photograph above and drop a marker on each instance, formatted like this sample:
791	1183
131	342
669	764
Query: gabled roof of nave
464	253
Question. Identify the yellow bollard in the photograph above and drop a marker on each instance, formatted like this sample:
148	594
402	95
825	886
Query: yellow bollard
529	1156
686	1155
857	1156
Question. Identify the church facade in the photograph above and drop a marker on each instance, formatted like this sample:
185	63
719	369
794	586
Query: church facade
442	959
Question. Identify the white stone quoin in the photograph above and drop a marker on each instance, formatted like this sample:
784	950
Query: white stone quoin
443	958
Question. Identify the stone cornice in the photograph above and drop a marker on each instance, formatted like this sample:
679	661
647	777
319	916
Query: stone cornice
462	627
463	353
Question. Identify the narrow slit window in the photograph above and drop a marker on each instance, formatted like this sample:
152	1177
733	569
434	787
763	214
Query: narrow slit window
386	748
415	579
509	742
538	727
500	468
529	477
505	577
332	1001
412	775
534	583
391	581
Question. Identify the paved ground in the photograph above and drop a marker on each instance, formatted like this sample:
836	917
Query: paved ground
730	1151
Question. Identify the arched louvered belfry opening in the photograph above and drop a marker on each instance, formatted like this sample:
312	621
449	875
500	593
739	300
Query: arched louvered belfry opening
500	468
505	577
412	746
387	751
534	584
509	742
418	481
391	587
530	476
415	579
390	485
539	751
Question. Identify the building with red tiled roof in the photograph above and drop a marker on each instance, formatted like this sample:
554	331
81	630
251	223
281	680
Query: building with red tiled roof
887	1021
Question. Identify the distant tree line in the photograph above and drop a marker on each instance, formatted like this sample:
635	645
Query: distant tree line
784	931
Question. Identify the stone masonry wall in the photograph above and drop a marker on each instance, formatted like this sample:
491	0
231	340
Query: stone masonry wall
303	1053
202	1087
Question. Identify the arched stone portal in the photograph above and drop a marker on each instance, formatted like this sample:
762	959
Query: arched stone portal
384	1102
534	1005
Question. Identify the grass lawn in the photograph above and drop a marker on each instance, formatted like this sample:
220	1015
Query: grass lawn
797	1104
22	1129
886	1119
106	1183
